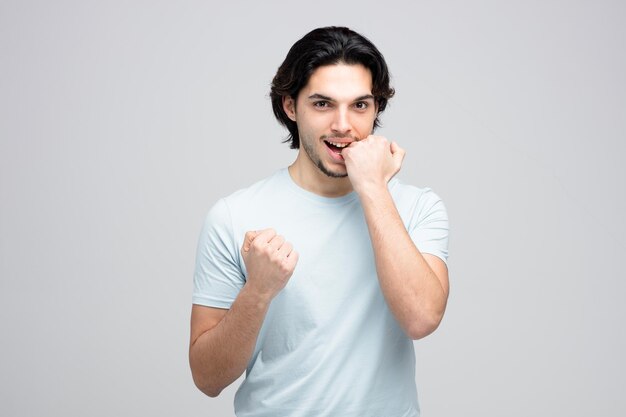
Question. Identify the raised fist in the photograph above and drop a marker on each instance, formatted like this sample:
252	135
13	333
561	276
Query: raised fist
270	261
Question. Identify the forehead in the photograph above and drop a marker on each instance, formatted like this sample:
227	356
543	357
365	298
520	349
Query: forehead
339	82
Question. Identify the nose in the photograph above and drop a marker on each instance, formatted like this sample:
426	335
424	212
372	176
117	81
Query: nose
341	121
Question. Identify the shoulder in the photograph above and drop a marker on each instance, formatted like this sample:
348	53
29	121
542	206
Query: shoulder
244	208
255	193
425	218
418	201
222	222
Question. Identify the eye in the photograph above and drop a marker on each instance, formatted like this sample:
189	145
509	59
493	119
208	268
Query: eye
361	105
321	104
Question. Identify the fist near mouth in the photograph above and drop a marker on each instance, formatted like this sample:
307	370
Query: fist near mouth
372	162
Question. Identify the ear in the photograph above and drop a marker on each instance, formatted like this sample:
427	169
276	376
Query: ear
289	106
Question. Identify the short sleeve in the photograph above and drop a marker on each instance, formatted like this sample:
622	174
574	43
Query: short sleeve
218	277
429	225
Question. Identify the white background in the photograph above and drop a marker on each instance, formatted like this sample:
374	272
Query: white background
122	122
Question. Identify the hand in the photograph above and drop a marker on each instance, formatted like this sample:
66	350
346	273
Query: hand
372	162
270	261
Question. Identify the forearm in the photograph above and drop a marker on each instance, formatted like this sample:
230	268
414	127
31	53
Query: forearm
220	355
412	290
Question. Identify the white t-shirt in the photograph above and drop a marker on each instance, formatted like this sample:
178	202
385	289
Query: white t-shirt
329	346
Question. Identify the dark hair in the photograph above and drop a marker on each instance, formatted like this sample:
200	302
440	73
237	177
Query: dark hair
327	46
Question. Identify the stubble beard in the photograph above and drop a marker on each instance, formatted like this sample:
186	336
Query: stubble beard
317	161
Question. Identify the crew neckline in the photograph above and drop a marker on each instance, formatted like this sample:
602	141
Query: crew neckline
293	186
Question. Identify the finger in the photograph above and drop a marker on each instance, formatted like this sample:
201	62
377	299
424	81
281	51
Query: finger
262	238
397	152
266	235
286	248
352	145
276	242
247	240
253	235
291	260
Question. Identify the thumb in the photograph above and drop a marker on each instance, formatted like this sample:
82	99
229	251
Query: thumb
247	241
397	152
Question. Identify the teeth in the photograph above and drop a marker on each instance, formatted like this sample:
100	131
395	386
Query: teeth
339	145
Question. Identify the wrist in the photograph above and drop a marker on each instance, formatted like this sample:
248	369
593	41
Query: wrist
254	296
372	189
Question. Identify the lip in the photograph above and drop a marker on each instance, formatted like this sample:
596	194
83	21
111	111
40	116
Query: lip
337	141
336	157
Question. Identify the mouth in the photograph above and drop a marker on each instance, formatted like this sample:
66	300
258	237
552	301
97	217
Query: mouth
336	147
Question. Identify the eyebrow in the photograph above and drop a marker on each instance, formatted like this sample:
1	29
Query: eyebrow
323	97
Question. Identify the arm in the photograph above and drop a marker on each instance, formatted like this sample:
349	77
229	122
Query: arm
415	286
222	341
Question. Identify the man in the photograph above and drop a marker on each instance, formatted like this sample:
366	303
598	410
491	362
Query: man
316	280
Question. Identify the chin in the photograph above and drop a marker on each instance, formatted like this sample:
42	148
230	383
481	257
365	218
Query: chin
331	173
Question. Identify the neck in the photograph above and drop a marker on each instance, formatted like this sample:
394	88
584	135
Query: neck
308	176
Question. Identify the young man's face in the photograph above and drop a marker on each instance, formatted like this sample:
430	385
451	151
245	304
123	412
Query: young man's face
336	106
